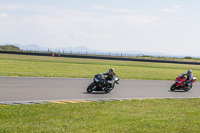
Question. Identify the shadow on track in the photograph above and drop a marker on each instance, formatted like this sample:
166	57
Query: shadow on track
177	91
95	93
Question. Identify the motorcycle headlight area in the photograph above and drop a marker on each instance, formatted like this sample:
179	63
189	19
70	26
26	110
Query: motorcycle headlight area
178	81
95	79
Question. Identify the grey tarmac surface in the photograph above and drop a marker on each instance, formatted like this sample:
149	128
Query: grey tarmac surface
44	89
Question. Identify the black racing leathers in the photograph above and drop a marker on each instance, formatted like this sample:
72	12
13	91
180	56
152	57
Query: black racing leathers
189	78
110	78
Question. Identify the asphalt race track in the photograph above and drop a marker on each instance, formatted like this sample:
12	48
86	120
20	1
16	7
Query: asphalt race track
31	88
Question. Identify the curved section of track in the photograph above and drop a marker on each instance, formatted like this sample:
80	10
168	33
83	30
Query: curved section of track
31	88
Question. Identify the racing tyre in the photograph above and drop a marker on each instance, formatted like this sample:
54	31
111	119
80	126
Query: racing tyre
91	87
173	87
108	89
187	89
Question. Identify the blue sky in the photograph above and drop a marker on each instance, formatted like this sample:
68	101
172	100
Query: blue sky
171	26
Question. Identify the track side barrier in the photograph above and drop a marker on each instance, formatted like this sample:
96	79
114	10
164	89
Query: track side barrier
100	57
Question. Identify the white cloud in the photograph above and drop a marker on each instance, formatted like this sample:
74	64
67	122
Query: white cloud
167	10
51	26
119	10
34	8
177	6
126	10
3	14
172	9
10	7
99	7
72	27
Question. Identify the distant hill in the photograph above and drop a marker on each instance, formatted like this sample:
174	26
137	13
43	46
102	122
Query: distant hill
9	47
85	50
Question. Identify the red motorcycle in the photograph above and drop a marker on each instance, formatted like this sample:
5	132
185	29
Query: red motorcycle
181	83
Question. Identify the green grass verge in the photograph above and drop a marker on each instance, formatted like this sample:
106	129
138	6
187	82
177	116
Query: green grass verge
151	115
41	66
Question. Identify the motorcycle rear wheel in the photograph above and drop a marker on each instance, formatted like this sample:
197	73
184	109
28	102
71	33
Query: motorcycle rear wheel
187	89
109	89
91	88
173	87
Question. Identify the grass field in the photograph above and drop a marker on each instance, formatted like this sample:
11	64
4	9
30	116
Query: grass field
39	66
152	115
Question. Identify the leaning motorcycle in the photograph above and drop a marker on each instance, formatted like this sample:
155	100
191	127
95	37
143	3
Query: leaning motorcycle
181	83
100	83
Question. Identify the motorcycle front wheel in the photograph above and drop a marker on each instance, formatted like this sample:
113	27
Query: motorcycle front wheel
91	87
173	87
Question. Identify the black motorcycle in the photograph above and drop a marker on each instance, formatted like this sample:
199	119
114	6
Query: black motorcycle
100	83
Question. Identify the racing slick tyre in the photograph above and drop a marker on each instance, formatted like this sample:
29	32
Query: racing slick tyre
173	87
109	89
188	88
91	87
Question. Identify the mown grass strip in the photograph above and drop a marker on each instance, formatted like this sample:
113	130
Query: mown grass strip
38	66
144	115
